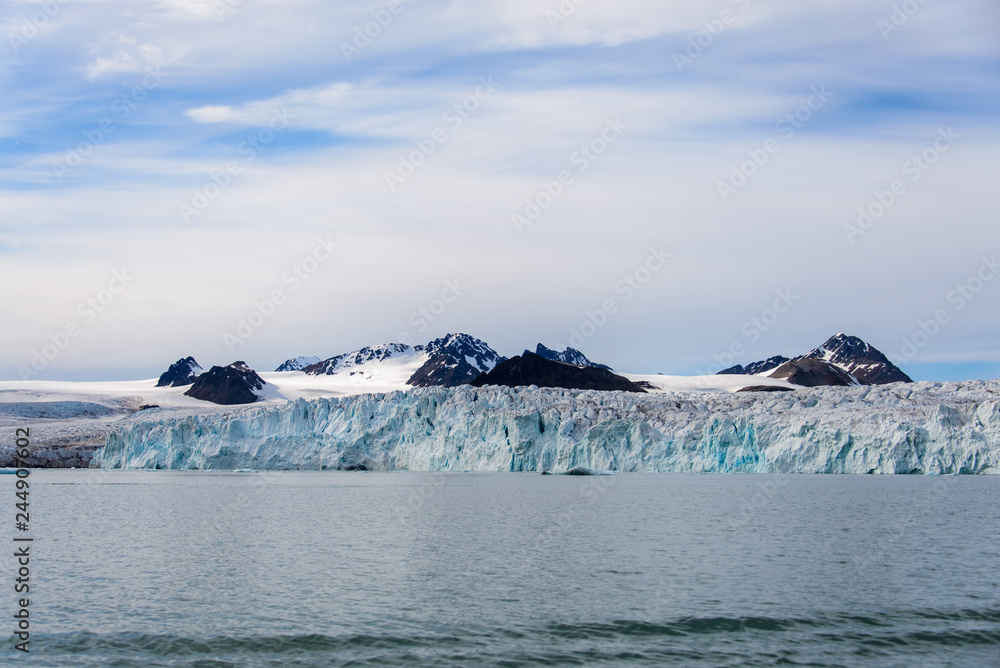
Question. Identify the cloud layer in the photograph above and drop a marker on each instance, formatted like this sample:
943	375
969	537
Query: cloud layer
206	146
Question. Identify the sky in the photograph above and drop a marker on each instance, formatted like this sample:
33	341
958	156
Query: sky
666	186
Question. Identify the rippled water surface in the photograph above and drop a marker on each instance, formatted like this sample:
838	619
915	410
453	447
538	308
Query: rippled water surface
371	569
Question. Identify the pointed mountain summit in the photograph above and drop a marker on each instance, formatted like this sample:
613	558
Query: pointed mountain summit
182	372
859	359
570	356
454	359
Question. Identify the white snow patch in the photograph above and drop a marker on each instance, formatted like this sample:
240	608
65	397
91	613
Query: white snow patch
387	375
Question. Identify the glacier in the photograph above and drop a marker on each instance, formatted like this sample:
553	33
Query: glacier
928	428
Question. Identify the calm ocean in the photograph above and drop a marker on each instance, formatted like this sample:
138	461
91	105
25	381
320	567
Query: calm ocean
418	569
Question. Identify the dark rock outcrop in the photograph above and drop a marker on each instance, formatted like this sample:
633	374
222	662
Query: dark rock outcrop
182	372
570	356
443	370
583	470
228	385
765	388
646	385
812	373
532	369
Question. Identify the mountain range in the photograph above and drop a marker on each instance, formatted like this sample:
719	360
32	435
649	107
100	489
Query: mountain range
455	359
461	359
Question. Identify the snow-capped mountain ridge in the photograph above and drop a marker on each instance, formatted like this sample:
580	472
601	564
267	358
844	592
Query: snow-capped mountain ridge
454	359
182	372
463	347
459	359
862	363
860	359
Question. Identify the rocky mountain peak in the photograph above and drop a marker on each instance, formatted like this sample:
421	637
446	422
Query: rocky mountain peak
860	359
182	372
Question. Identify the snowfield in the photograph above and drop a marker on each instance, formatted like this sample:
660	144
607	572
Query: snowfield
930	428
68	400
734	383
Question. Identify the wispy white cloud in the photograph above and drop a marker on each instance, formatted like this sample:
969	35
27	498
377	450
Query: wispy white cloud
117	53
198	10
212	114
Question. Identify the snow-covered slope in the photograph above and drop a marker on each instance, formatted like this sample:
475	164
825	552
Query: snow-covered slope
136	391
923	427
297	363
375	375
726	383
360	362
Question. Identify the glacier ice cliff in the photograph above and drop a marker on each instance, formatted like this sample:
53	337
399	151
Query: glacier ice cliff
930	428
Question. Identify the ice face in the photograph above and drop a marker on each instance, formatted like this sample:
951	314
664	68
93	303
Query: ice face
900	428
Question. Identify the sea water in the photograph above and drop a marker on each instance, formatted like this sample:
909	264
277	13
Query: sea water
407	569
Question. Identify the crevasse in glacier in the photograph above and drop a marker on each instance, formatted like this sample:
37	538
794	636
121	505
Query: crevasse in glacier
900	428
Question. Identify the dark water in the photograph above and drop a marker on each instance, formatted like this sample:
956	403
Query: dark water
364	569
